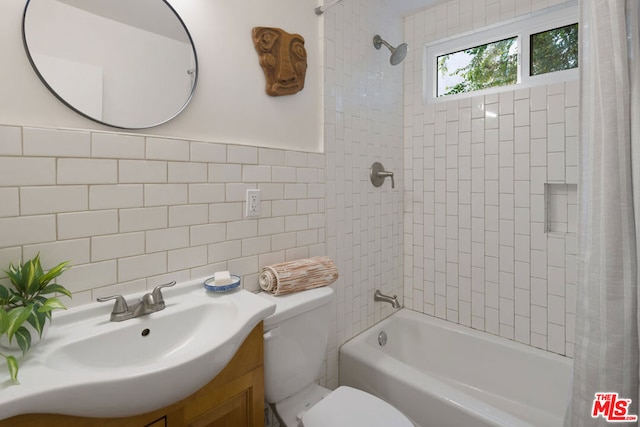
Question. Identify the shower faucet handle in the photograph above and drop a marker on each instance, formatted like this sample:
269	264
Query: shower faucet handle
378	174
385	174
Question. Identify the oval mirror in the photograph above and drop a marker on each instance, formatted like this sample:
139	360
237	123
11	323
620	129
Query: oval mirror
123	63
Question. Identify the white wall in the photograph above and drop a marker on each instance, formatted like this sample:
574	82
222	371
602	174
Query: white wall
230	104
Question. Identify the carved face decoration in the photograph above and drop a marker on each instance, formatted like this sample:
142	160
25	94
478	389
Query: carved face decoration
283	59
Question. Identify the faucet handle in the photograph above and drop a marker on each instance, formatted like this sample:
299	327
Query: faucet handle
157	293
119	307
377	173
385	174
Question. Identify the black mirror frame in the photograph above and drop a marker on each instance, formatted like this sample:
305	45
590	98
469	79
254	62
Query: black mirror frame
195	74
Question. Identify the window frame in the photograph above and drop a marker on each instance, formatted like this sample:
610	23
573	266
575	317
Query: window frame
522	28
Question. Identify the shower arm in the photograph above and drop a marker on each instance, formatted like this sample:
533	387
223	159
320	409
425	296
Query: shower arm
321	9
379	41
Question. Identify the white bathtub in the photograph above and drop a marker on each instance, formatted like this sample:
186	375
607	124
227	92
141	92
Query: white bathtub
441	374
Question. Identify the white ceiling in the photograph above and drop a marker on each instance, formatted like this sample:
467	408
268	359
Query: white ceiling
136	13
407	7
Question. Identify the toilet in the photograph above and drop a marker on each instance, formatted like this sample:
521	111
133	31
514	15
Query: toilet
295	343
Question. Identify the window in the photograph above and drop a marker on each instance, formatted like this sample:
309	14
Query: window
479	67
554	50
540	48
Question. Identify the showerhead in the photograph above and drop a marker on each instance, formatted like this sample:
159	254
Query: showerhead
397	53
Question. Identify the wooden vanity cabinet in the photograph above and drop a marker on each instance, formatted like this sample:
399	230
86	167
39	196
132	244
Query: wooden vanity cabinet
234	398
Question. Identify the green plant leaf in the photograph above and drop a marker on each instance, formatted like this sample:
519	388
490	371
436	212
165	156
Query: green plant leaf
39	300
37	320
37	266
23	338
17	317
4	321
31	284
14	274
51	304
53	273
12	364
55	288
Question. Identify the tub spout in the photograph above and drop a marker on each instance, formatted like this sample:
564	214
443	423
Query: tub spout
378	296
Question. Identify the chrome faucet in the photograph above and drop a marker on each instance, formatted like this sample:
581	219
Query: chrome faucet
149	303
379	296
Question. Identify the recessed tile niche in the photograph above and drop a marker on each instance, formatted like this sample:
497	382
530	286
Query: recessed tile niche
561	208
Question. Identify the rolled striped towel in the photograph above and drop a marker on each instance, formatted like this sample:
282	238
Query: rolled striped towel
293	276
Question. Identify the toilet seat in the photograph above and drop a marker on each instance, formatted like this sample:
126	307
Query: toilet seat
349	407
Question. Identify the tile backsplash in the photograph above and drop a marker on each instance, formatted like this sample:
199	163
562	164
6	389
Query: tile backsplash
131	211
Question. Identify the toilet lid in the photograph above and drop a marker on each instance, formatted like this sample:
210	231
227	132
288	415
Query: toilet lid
349	407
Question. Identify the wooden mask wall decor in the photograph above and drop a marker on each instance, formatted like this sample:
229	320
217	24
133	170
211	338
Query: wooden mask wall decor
283	59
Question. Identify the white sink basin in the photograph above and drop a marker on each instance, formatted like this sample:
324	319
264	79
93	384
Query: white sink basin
145	340
92	367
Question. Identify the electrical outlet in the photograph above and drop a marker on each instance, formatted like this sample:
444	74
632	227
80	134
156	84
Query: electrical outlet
253	203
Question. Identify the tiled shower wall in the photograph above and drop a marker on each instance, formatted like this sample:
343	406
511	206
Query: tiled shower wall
363	124
131	212
477	250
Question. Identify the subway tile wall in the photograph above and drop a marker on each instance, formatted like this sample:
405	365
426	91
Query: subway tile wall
131	212
362	125
475	242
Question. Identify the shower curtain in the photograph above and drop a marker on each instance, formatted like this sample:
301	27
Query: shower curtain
606	347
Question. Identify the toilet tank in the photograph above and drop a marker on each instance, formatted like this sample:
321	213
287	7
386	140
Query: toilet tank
295	341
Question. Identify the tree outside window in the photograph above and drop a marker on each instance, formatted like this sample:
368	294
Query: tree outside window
480	67
554	50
